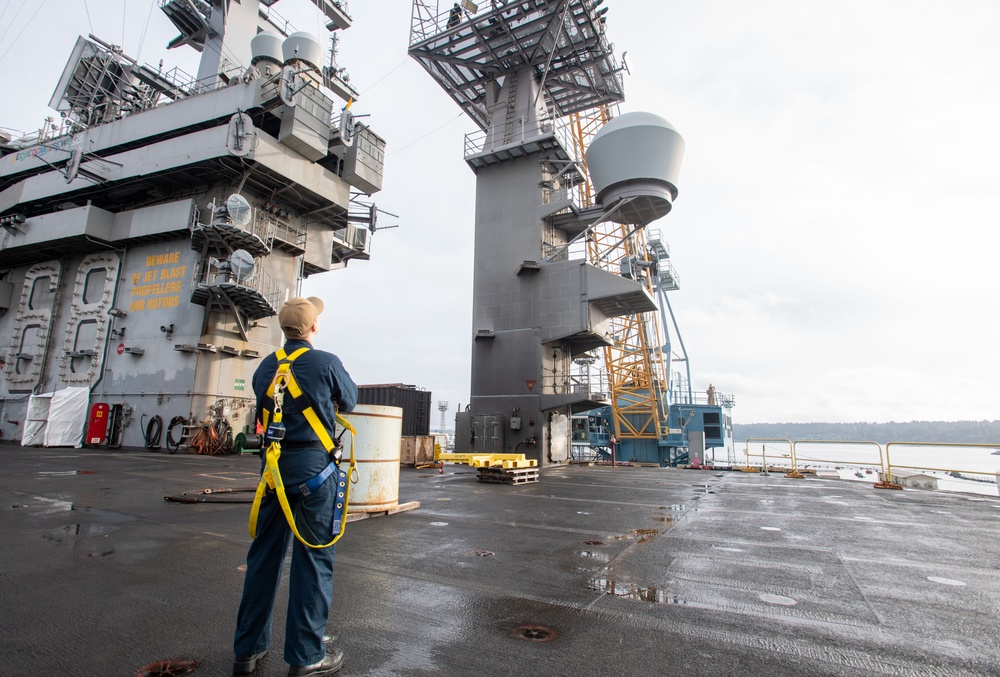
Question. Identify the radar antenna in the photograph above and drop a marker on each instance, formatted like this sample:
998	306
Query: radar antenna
241	265
239	209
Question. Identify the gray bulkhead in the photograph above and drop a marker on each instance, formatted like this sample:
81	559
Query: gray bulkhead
119	278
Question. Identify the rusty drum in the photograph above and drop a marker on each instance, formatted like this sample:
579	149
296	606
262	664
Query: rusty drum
376	451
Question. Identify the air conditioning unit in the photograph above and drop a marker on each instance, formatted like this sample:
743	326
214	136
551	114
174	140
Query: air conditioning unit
357	237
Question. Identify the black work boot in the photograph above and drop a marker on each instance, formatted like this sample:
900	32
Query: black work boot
332	663
244	665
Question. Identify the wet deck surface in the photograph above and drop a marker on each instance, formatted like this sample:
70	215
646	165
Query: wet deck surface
590	571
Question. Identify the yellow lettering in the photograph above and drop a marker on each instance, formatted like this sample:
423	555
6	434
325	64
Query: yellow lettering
176	271
137	305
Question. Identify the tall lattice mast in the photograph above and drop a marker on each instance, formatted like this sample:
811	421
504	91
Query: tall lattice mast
637	374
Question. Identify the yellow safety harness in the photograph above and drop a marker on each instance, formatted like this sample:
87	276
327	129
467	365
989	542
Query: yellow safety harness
284	381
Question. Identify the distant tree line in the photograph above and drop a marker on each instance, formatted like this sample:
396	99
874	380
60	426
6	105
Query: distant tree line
963	432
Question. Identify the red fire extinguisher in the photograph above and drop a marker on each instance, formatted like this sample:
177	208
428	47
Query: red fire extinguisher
97	424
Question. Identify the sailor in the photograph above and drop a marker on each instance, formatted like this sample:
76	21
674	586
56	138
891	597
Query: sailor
325	386
454	16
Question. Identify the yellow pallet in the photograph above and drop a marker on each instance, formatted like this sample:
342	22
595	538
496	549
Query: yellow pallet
507	461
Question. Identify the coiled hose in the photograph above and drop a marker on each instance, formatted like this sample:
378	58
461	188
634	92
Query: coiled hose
172	444
223	437
153	432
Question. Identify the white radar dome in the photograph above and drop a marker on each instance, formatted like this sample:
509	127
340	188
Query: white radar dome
637	156
304	47
266	47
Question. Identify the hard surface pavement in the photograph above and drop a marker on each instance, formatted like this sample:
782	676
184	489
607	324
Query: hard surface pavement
591	571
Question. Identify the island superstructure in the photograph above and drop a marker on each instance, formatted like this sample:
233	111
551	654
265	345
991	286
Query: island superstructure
150	237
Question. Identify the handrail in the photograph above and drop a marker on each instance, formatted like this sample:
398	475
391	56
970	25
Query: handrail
481	141
746	449
886	479
838	442
888	466
425	21
260	281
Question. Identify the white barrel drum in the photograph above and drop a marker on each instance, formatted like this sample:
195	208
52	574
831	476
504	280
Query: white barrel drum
376	450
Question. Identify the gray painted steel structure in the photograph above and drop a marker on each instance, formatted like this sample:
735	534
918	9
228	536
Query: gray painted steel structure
516	69
114	270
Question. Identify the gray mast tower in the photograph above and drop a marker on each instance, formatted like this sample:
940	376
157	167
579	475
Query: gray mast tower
518	69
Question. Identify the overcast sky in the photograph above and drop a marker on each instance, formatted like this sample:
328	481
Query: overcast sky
838	223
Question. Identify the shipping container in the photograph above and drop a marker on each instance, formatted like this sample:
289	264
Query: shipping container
415	403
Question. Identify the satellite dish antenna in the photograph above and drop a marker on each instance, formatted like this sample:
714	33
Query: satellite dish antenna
239	209
241	264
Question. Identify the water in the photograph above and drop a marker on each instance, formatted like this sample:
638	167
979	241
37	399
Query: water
973	462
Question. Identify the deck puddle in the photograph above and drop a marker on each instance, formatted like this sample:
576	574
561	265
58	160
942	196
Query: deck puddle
637	535
67	533
633	591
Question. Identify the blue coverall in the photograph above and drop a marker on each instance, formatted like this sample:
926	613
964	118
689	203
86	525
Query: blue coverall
322	377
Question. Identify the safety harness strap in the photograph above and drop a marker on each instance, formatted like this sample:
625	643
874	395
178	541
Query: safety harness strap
315	483
271	476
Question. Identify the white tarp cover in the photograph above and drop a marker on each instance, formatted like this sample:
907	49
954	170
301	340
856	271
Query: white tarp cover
35	419
57	419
